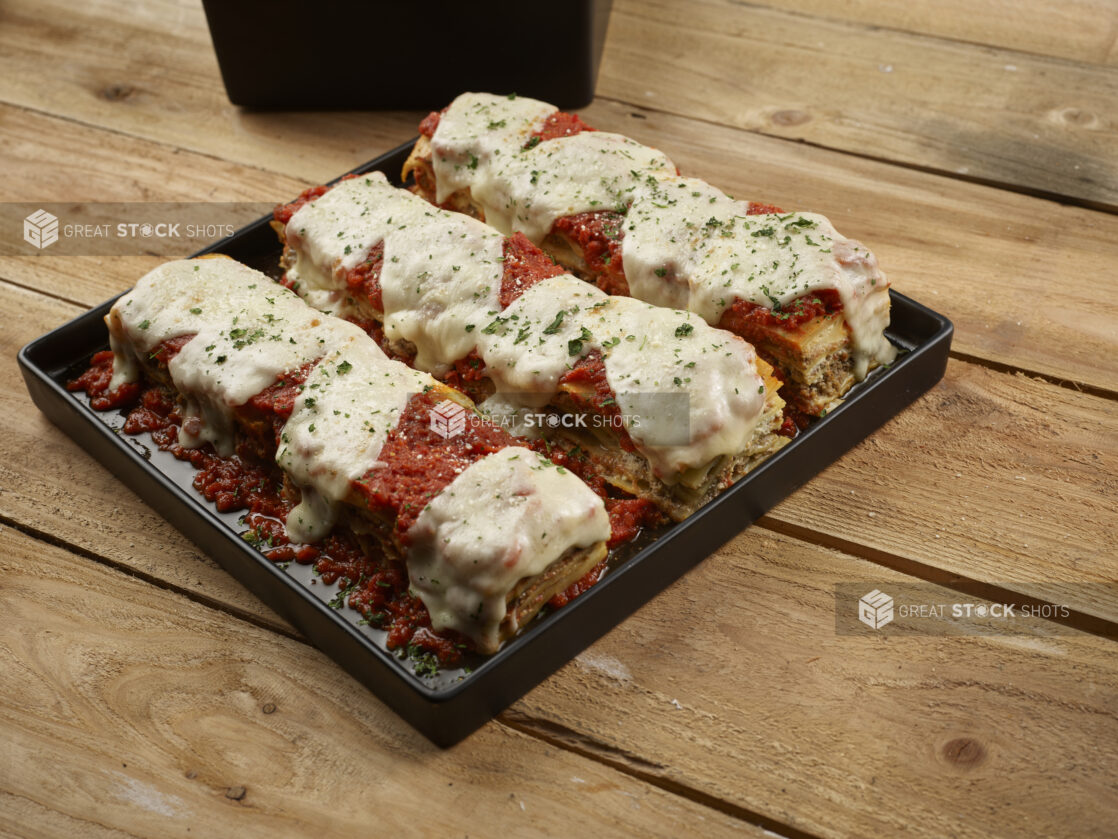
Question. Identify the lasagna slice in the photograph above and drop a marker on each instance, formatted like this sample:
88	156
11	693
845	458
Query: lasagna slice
814	303
669	408
489	529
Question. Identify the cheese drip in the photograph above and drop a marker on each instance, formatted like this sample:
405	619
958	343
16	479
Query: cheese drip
686	245
466	557
441	271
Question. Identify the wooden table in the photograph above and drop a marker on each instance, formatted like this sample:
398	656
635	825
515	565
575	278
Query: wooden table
973	146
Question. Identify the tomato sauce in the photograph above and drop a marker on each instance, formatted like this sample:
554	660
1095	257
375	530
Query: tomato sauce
417	462
598	236
371	583
754	322
283	212
524	266
756	209
95	381
363	280
430	123
594	393
560	124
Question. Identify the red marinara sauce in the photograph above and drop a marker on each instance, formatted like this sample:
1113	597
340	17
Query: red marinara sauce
560	124
754	322
598	236
283	212
430	123
524	266
95	381
363	280
417	463
595	394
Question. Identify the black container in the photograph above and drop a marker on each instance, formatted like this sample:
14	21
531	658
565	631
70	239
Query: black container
450	706
295	55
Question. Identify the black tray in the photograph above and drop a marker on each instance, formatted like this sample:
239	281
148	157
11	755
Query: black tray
450	705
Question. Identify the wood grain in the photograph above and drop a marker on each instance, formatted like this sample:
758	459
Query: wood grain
1028	283
766	606
1078	30
993	115
48	484
732	688
153	74
125	707
991	477
734	682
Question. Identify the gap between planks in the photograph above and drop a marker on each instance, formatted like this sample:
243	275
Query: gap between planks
900	30
543	730
1075	619
1007	186
195	596
573	741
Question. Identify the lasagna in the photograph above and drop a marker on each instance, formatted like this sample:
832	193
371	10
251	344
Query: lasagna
489	530
814	303
668	408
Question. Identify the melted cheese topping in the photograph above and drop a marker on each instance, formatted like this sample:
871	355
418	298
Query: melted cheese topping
687	245
466	558
441	271
691	393
249	332
687	392
673	259
350	402
481	127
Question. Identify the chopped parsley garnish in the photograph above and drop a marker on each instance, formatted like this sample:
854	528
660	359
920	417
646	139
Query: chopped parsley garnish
553	327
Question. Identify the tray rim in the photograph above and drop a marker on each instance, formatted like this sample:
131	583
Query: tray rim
927	351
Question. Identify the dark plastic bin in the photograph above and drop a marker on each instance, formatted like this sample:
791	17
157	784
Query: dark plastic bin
297	55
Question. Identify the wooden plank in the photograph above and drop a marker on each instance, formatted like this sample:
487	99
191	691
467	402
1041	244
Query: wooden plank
1078	30
988	114
992	477
766	70
166	86
1028	283
48	484
126	707
735	682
